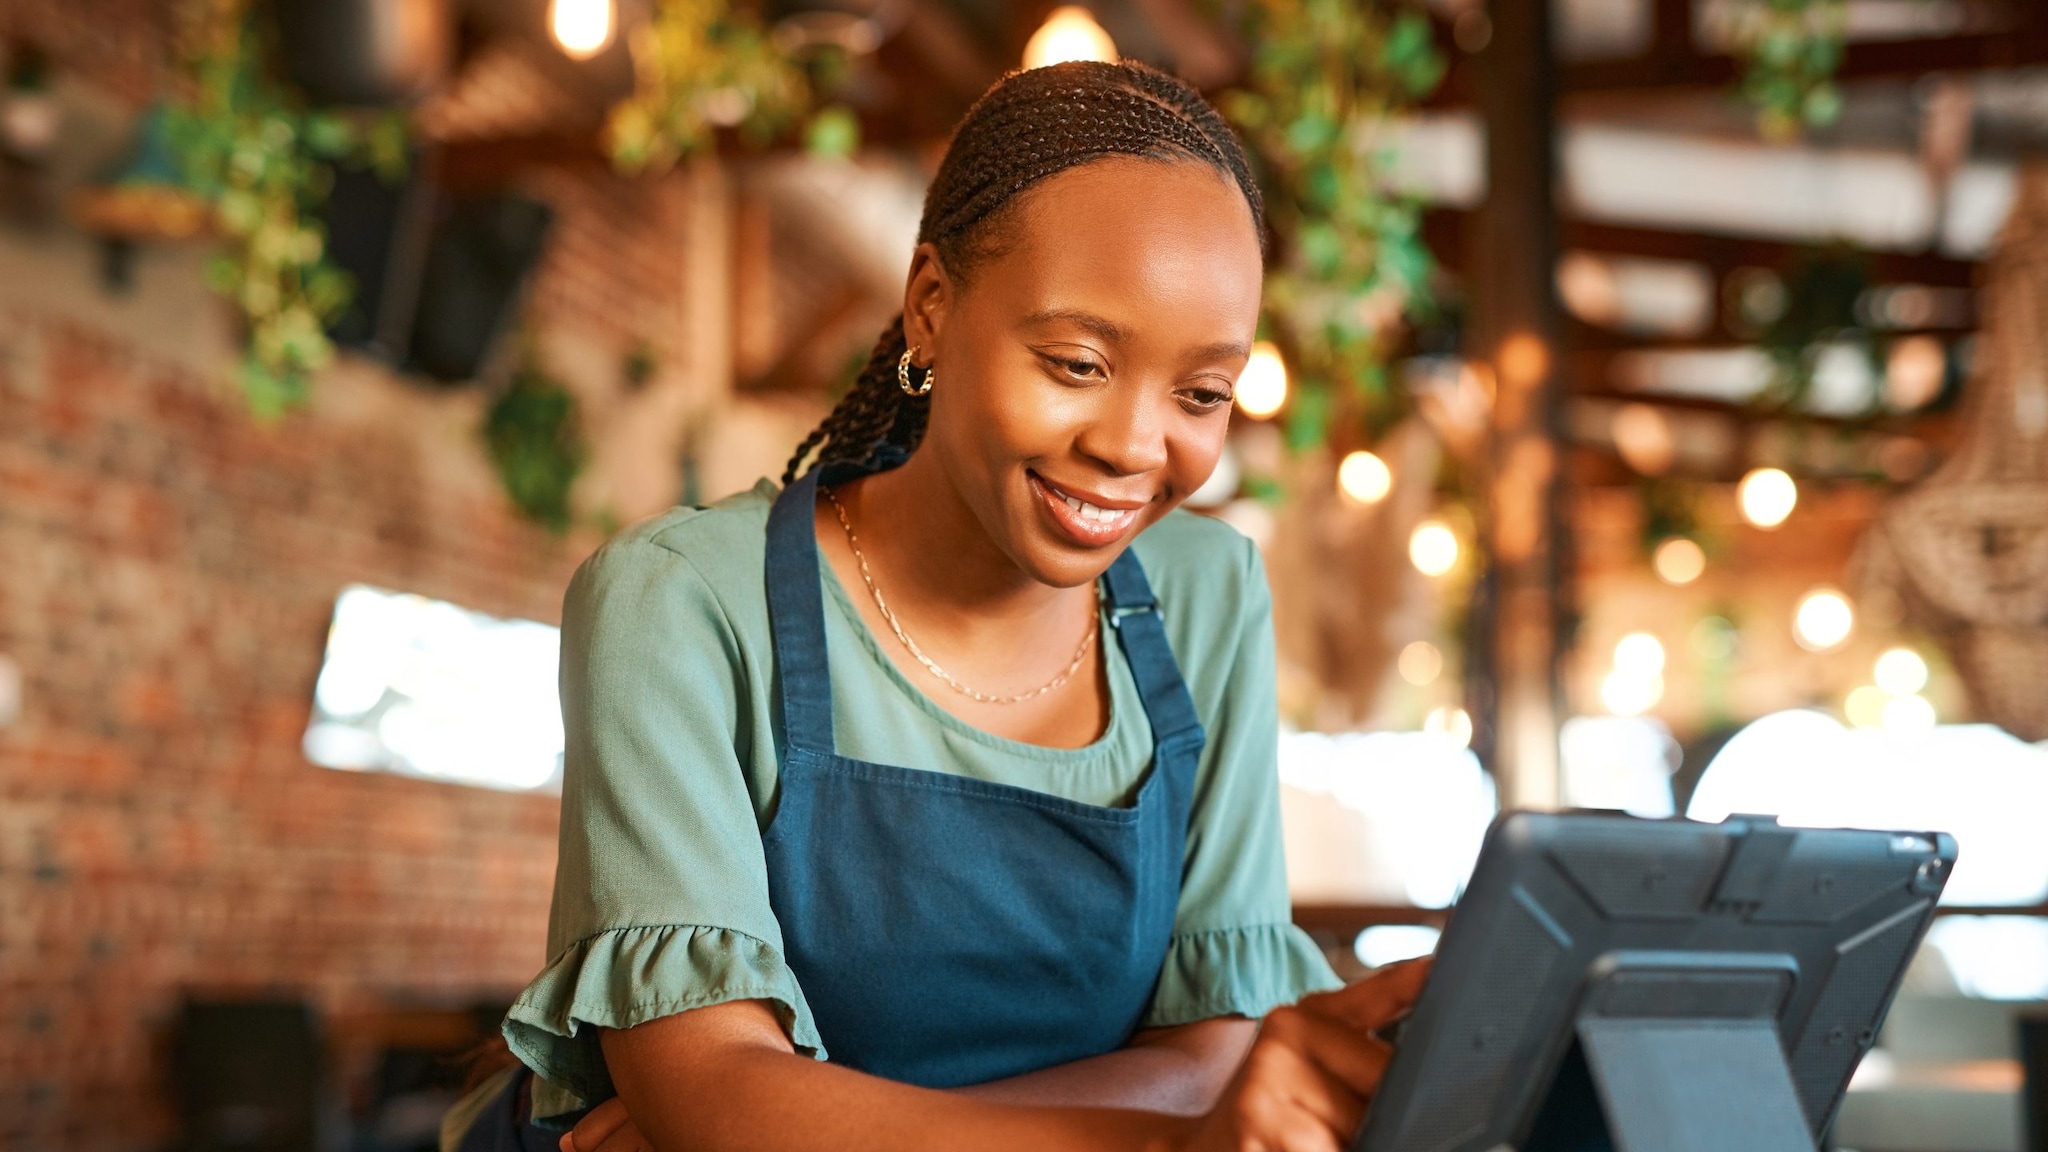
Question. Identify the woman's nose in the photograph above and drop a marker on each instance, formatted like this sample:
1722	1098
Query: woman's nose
1128	433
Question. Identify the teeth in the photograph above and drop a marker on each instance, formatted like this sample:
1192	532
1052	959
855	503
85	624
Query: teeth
1091	512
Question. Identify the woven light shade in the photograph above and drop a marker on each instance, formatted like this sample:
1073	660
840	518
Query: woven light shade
1966	550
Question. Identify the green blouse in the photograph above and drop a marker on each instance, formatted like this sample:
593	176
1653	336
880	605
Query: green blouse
668	697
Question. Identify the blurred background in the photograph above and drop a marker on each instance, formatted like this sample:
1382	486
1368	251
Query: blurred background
1652	414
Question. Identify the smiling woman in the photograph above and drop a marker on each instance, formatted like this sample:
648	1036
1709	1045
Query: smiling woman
990	855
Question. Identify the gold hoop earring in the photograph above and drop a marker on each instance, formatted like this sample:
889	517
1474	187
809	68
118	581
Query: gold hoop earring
903	376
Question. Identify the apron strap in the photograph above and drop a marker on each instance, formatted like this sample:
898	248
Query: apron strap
796	617
1134	613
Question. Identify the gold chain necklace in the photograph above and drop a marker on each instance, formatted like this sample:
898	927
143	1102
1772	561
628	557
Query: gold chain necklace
896	626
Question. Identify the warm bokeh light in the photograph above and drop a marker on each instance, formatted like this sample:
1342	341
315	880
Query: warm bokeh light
1262	386
582	28
1914	373
1865	706
1451	722
1626	694
1070	33
1823	621
1433	548
1420	663
1767	496
1642	435
1524	360
1364	477
1909	711
1901	672
1678	561
1639	654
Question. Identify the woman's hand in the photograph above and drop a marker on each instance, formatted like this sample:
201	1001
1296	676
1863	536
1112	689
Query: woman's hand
1313	1070
606	1128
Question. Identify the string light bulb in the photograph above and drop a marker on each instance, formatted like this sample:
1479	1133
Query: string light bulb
1433	548
1678	561
1823	620
1767	496
1365	478
1069	33
582	28
1262	386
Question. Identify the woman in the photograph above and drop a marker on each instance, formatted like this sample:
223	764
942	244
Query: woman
929	803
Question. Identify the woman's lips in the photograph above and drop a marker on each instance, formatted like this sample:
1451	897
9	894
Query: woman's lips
1089	525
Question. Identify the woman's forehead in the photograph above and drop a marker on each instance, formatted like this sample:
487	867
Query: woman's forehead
1136	237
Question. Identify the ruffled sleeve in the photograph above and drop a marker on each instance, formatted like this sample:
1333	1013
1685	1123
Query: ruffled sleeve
1237	972
628	976
1235	950
661	889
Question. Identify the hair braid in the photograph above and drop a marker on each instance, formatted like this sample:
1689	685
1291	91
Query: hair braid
1030	125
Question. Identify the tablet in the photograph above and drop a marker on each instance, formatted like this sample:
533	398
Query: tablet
1656	986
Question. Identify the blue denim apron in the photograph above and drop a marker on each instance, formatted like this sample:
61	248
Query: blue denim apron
947	930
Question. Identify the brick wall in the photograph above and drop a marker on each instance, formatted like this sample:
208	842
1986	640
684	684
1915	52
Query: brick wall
168	573
167	569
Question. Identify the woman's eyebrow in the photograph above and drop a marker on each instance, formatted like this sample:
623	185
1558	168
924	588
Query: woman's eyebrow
1116	333
1101	326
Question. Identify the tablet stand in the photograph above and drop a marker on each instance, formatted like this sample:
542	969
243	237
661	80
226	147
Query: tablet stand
1681	1085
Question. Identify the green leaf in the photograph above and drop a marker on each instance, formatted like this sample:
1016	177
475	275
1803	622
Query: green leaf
834	133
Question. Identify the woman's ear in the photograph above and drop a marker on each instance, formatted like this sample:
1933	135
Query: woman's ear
926	297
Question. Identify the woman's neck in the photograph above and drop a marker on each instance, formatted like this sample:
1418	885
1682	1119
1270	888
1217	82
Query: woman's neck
933	555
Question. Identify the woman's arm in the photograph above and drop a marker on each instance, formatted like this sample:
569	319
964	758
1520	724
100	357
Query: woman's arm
1179	1071
725	1079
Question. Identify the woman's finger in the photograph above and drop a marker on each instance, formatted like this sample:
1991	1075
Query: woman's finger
1356	1058
1382	997
596	1127
1287	1078
626	1137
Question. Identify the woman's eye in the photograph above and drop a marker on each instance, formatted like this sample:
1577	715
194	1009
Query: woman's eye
1205	399
1078	369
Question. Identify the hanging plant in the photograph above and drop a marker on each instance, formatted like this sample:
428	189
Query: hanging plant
536	440
1325	77
262	161
1790	52
702	65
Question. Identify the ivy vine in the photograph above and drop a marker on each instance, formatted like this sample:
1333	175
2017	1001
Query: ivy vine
263	162
535	438
1325	77
1790	52
701	65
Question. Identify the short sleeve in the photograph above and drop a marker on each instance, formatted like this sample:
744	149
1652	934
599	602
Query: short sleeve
1235	949
661	891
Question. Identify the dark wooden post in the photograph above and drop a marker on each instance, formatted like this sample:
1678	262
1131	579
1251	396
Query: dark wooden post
1517	629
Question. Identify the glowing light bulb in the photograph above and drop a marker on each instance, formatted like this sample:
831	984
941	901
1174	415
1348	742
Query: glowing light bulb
1901	672
1070	33
1262	387
1433	548
1865	706
1420	663
1450	722
1628	694
1767	496
1909	711
581	27
1364	477
1823	620
1639	654
1678	561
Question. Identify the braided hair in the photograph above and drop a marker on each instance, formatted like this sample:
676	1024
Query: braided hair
1030	125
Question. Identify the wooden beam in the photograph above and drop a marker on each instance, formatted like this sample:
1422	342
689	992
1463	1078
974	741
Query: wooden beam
1518	629
1446	230
1673	62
